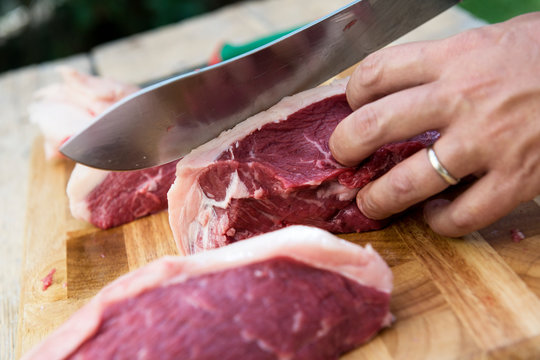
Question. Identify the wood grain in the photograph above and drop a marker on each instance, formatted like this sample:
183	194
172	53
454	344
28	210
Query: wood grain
100	258
16	137
44	246
156	235
491	301
139	58
470	298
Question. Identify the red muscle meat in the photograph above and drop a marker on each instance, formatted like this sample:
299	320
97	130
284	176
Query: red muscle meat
274	170
297	293
110	198
48	280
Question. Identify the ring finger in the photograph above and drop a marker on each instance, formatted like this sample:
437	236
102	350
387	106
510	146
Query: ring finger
395	117
413	180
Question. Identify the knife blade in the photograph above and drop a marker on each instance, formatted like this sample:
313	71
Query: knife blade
165	121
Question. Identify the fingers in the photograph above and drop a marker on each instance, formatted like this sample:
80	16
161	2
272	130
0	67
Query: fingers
407	183
482	204
413	180
408	111
390	70
453	86
395	117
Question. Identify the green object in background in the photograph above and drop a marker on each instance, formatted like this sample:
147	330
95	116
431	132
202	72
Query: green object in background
228	51
494	11
75	26
491	11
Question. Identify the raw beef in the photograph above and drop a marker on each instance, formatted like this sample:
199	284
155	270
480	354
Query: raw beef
297	293
103	198
107	199
48	280
274	170
62	109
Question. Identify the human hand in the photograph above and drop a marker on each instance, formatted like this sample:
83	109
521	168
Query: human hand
481	91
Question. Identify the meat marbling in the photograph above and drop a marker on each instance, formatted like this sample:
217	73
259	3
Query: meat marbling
274	170
296	293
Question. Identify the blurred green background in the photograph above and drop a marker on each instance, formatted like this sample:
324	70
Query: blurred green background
494	11
50	29
33	31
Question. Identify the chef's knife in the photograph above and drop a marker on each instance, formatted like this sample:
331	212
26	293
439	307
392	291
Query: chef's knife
165	121
226	51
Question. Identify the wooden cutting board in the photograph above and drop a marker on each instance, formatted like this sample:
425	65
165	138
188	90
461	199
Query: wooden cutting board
476	297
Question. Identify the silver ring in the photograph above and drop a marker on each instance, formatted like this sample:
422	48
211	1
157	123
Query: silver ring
439	168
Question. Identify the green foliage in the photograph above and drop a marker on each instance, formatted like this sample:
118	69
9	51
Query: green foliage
165	12
494	11
80	25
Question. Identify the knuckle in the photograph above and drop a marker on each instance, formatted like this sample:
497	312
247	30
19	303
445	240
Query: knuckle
395	192
468	39
402	184
370	71
477	38
464	220
456	98
438	93
530	169
356	136
365	122
479	35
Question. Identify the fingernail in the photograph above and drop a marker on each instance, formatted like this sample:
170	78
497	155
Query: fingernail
359	204
331	143
362	208
341	146
336	149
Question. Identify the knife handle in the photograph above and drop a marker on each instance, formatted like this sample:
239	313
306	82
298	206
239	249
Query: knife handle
226	51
